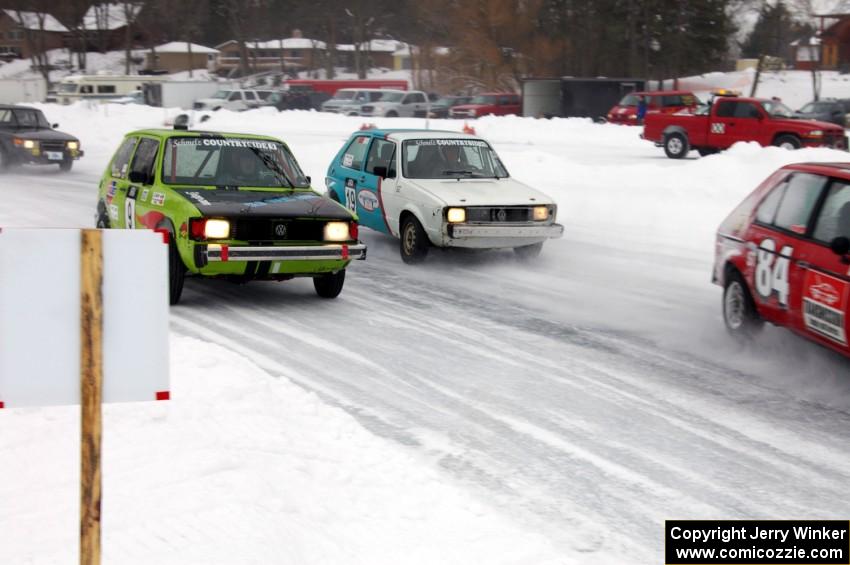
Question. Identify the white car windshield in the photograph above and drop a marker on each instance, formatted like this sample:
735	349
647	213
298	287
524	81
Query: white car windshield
222	94
450	159
218	161
344	95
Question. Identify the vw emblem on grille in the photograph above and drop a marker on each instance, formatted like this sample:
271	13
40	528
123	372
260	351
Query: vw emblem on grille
280	230
501	215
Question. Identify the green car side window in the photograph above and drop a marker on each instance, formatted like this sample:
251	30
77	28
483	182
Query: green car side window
144	159
121	161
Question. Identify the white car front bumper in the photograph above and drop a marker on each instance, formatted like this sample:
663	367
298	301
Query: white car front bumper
489	236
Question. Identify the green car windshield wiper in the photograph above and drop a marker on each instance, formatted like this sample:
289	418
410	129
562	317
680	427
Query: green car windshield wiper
271	164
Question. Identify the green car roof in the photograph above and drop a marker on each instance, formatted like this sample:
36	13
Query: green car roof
163	133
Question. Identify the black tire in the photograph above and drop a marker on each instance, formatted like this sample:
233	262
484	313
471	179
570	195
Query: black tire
102	221
676	145
529	252
329	286
414	241
332	195
706	151
788	142
392	114
66	165
739	309
176	268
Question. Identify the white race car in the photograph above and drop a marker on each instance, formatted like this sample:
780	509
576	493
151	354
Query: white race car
439	188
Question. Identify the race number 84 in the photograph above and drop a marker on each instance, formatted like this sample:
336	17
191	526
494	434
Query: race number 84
772	271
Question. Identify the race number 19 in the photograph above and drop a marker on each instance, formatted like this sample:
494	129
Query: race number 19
772	271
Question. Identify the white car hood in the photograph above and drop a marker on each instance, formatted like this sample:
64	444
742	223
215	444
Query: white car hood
482	192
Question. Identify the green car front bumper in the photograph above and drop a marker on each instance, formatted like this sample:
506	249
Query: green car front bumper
272	261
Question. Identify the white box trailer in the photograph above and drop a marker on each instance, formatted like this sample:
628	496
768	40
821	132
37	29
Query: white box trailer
180	94
14	91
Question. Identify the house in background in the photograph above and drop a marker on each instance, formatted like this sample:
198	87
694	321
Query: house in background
175	57
806	53
830	49
105	26
294	53
46	31
378	53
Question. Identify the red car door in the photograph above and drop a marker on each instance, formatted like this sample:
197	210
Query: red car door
779	246
825	291
733	121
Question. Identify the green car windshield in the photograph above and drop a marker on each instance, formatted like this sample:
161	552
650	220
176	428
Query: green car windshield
220	161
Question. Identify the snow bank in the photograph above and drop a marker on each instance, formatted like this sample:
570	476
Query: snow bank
240	467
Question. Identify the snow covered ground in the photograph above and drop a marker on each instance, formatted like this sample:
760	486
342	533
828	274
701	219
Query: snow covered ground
471	410
794	88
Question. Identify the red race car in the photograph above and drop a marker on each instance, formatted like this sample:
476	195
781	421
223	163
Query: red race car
663	101
783	255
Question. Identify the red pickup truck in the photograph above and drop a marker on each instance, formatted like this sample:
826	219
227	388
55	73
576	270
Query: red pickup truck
731	119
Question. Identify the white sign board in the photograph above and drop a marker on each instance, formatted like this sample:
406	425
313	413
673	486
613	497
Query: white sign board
40	316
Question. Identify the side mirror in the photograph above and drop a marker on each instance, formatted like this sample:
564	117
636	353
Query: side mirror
139	177
309	180
840	246
384	173
55	126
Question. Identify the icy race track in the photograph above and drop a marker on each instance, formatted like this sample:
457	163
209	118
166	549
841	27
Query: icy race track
590	395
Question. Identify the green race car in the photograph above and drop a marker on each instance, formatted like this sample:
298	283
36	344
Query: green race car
234	206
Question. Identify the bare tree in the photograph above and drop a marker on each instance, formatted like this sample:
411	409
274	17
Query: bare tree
31	16
72	13
129	11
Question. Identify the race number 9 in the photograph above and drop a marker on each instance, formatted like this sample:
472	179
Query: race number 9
130	213
772	271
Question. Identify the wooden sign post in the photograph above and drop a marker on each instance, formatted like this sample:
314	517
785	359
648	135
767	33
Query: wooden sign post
91	393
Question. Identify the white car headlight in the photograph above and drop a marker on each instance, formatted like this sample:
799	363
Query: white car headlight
29	144
456	215
541	213
216	229
73	145
336	231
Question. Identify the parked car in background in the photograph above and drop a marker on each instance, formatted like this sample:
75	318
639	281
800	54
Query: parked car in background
349	100
236	99
27	137
332	86
782	255
832	111
664	101
296	98
398	103
490	103
440	107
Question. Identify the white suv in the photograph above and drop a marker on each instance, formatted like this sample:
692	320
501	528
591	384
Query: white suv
232	99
